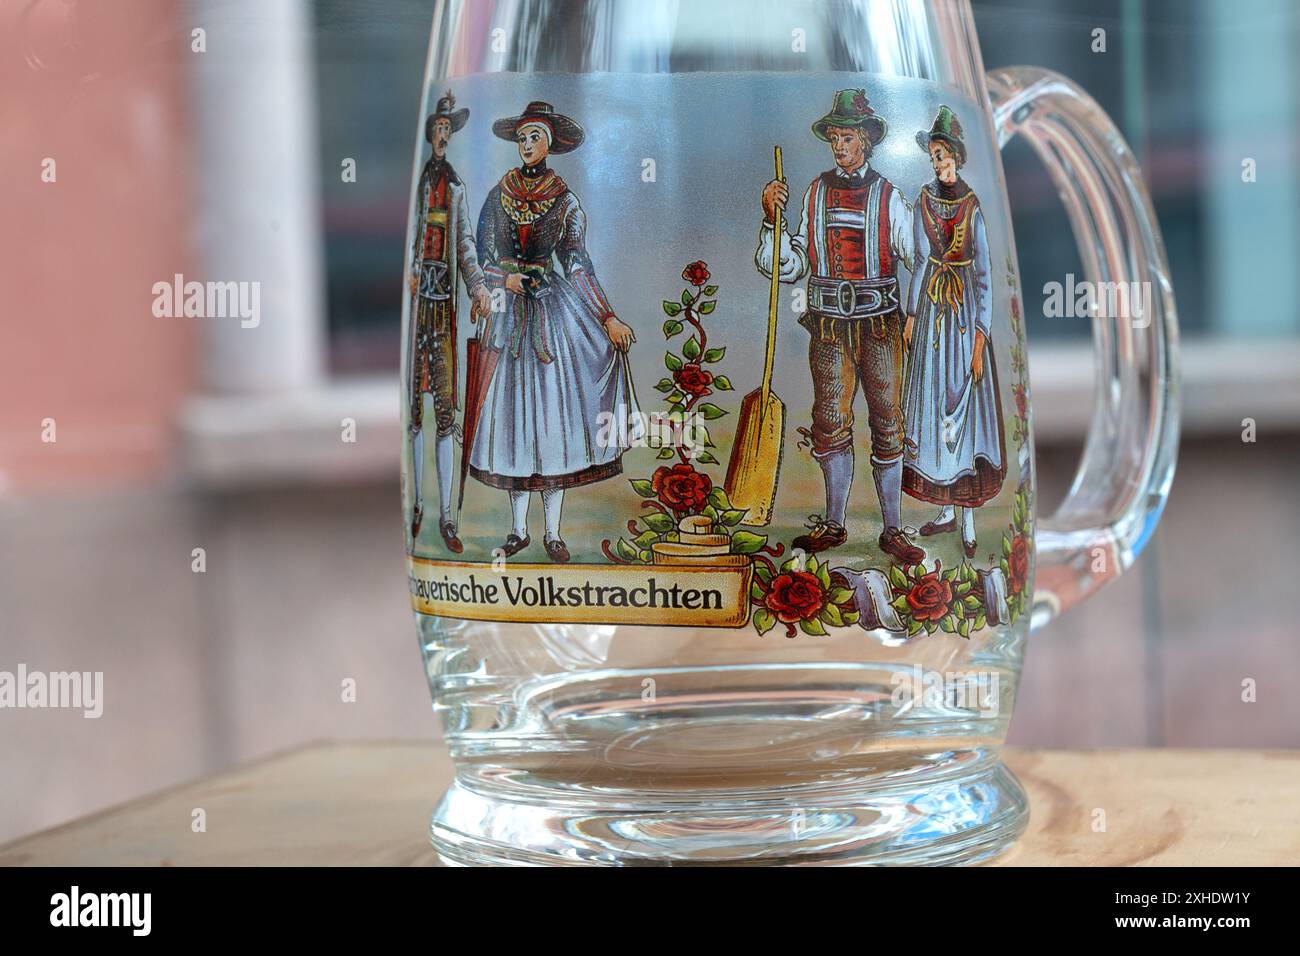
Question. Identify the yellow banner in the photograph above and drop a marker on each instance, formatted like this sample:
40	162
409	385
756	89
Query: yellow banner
656	594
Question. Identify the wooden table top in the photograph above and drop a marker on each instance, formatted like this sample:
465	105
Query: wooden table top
369	804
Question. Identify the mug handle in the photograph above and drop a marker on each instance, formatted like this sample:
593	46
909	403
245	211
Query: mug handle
1128	460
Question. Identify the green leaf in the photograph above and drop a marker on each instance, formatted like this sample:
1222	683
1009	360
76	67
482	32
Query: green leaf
665	386
1006	544
964	628
671	308
715	355
732	517
686	297
949	575
747	542
971	603
625	550
645	539
897	578
841	595
949	624
962	589
672	362
851	617
756	591
931	627
830	614
710	290
707	307
711	411
718	498
661	523
710	512
691	350
823	573
643	487
672	327
677	407
900	604
706	458
666	453
812	627
980	621
764	573
764	620
914	628
721	382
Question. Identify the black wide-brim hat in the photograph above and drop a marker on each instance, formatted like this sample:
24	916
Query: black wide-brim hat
445	109
566	134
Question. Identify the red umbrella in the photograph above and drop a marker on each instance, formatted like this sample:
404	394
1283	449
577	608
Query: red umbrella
480	363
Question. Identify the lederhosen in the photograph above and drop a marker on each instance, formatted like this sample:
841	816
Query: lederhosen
854	314
434	339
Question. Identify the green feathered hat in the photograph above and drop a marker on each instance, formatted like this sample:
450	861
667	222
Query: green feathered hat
851	110
946	129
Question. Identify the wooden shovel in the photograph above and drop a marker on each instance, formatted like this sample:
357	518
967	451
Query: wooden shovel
756	451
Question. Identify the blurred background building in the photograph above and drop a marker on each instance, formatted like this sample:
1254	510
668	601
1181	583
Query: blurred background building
180	434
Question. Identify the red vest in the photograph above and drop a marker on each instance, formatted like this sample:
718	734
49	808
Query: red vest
847	255
435	218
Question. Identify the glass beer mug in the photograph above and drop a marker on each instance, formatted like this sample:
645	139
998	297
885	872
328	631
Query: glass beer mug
718	470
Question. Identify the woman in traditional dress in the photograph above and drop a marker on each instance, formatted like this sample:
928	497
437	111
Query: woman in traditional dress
561	378
952	410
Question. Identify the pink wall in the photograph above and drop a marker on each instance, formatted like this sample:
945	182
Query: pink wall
101	88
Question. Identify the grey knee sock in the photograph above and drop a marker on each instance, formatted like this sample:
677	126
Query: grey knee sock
889	487
444	465
837	469
417	465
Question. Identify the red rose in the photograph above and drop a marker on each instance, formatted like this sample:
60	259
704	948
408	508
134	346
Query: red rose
1022	400
1018	563
697	273
930	597
795	596
681	487
693	380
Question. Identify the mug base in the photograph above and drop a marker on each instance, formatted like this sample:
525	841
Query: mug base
954	821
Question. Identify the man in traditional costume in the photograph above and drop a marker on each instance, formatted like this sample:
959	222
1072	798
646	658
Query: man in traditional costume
854	232
443	251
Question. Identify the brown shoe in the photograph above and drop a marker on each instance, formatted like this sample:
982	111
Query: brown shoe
416	517
823	536
894	542
449	537
514	544
557	552
938	527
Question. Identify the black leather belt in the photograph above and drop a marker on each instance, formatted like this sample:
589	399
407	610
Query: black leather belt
853	298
